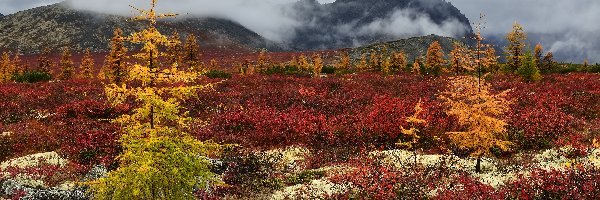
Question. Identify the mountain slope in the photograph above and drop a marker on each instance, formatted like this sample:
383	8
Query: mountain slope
57	25
413	47
349	23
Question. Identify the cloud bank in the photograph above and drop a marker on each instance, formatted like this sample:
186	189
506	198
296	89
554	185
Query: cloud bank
278	20
568	28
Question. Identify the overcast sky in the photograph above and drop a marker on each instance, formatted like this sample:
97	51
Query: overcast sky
563	26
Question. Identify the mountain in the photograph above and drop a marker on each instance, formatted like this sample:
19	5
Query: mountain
350	23
413	47
57	25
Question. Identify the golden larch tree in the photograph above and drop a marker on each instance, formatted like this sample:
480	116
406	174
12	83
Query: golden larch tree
386	65
303	63
159	160
66	65
115	66
362	64
293	62
416	66
490	61
17	66
399	61
192	54
174	50
478	112
344	61
214	64
537	54
87	66
317	65
374	60
412	134
516	45
548	63
460	60
5	68
262	62
44	62
435	59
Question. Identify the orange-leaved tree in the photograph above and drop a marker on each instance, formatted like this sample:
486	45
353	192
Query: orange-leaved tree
174	50
478	111
399	61
44	62
66	65
5	68
435	59
159	160
317	65
87	66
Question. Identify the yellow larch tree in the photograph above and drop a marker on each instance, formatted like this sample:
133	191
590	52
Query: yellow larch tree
386	65
17	66
516	45
262	62
478	112
399	61
374	61
293	62
174	50
159	160
490	62
87	66
362	64
192	56
303	63
5	68
537	54
214	64
115	65
344	61
460	60
317	65
44	63
415	121
66	65
416	66
435	59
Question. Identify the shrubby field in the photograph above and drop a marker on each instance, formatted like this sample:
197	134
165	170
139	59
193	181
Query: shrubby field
164	122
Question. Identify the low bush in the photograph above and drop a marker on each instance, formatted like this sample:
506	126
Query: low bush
31	77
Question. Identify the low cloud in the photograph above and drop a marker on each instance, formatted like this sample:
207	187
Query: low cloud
568	28
278	20
13	6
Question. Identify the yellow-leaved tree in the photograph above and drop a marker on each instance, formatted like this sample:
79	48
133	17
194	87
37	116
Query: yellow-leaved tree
192	55
87	66
66	65
435	59
174	50
5	68
44	62
262	62
159	160
344	61
115	67
362	64
478	111
415	121
516	45
460	60
317	65
303	63
399	61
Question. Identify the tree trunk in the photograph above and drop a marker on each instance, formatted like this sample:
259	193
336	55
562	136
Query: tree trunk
478	165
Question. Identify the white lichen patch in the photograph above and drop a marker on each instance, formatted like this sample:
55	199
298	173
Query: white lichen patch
31	161
34	160
286	160
316	189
